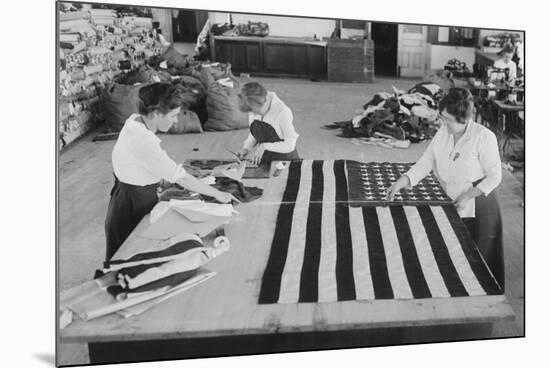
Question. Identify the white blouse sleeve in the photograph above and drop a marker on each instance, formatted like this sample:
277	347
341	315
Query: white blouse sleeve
289	134
158	163
424	165
489	158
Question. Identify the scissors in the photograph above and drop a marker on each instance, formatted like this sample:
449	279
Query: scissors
234	154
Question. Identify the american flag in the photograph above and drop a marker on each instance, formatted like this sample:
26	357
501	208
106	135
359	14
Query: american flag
323	250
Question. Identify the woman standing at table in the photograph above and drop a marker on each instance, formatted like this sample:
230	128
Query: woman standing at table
139	164
272	132
464	157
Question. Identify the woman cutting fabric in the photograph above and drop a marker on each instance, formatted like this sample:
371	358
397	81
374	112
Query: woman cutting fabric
464	156
139	164
271	129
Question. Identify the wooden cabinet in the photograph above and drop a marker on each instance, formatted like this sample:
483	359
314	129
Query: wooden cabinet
271	56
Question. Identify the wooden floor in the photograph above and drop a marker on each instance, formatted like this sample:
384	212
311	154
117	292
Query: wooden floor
85	179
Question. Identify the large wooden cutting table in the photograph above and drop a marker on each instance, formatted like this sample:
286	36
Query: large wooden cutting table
222	316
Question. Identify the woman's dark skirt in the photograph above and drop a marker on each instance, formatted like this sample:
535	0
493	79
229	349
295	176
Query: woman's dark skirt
486	231
128	205
265	133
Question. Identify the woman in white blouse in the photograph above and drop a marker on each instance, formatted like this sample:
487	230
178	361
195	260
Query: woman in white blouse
464	156
139	164
272	132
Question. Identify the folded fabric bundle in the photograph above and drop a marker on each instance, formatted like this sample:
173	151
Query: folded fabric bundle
168	250
234	170
120	293
243	193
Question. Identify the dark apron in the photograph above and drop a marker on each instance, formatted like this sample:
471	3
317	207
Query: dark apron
128	205
265	133
486	231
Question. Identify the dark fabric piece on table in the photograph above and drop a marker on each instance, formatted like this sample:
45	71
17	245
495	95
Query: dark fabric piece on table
441	253
413	269
171	281
127	206
344	252
239	190
309	278
377	256
173	250
271	280
265	133
139	269
486	231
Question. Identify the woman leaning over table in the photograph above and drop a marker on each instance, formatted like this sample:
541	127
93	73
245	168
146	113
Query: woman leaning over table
464	157
140	163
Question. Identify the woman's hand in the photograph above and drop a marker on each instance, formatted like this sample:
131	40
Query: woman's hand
242	154
258	154
225	197
461	201
401	183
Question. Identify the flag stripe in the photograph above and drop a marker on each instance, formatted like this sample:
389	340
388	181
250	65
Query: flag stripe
327	274
441	253
468	278
425	254
377	257
416	278
344	254
309	286
290	281
471	251
271	281
396	271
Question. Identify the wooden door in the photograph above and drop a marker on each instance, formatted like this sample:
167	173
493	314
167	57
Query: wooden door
411	50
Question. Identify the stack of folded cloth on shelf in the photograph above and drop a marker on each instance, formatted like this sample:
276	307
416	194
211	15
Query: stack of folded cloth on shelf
401	117
96	46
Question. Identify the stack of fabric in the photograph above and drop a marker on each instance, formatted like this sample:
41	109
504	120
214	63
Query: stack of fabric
95	46
143	278
402	116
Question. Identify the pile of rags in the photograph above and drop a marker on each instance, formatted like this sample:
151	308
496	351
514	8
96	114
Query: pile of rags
399	115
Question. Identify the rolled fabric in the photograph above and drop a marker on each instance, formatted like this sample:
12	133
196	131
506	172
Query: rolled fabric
104	21
98	50
102	13
69	37
78	47
77	75
81	14
63	75
91	69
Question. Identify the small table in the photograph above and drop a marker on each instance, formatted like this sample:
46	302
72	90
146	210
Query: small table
500	124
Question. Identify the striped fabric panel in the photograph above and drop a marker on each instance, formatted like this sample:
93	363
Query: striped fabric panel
322	250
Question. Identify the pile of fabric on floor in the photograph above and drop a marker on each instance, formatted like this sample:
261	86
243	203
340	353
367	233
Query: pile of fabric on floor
395	119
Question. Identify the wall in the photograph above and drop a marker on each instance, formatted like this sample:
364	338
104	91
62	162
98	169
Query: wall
438	55
282	26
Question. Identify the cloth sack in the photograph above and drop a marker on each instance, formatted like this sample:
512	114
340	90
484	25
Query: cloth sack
119	101
222	106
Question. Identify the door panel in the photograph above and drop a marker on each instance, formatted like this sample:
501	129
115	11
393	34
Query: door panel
412	50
